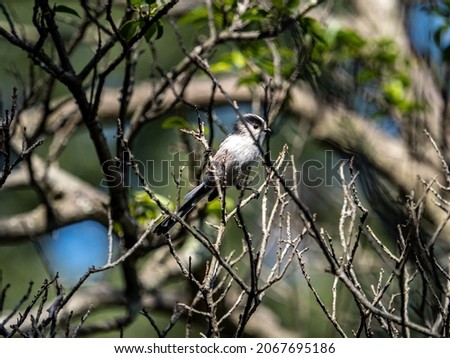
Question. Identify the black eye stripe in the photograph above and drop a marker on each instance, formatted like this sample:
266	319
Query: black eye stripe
253	120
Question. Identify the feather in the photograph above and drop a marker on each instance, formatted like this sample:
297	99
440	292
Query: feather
229	167
190	201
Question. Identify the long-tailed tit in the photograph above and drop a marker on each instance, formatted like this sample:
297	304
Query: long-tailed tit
230	166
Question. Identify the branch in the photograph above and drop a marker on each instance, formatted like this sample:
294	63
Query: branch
74	201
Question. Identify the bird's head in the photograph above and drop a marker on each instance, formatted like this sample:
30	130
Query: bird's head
251	125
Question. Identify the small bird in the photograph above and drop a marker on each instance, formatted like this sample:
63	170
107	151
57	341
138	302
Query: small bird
230	166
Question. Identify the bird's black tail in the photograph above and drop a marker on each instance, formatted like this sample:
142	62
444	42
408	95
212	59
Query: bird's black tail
190	201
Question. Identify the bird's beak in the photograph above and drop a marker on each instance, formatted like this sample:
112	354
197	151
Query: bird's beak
268	130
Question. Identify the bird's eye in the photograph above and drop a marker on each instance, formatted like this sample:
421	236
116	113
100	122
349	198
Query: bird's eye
255	126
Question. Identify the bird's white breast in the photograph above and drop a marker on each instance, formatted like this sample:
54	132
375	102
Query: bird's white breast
240	148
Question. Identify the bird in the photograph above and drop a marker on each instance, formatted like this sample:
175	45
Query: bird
230	166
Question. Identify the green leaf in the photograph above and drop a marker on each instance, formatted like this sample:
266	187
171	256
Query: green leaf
66	10
142	198
215	207
175	122
350	39
149	33
230	3
278	4
129	28
254	14
197	16
117	228
250	80
160	30
293	4
403	76
150	2
136	2
313	27
386	52
394	92
238	59
366	75
221	67
143	208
